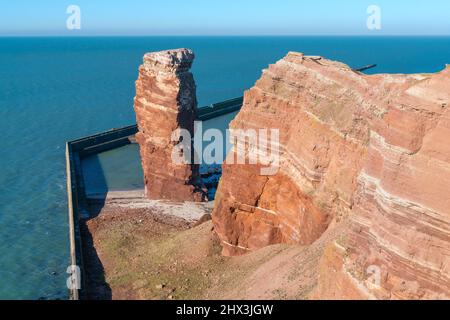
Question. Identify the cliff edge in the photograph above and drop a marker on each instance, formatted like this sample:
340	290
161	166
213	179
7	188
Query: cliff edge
366	153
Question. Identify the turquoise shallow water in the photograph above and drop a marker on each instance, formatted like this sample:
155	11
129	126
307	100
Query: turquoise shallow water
58	89
116	170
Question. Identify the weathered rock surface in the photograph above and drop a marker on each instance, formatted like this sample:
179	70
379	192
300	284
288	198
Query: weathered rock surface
371	150
165	102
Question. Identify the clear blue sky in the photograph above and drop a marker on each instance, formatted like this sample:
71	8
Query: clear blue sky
224	17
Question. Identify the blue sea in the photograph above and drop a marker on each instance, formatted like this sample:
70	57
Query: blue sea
57	89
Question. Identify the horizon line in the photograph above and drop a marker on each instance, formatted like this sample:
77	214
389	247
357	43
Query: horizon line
214	35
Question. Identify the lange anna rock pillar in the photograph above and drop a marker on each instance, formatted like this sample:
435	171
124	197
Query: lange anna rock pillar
165	102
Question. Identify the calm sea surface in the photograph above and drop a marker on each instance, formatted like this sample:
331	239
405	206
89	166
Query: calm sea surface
57	89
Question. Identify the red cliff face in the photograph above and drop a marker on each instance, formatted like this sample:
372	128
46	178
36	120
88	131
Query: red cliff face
370	150
165	102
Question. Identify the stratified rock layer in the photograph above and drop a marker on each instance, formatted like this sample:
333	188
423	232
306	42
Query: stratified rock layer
371	149
165	102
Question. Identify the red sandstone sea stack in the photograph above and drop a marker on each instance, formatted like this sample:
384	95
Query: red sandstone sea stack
165	102
370	152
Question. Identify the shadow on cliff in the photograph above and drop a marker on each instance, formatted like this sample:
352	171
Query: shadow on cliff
97	287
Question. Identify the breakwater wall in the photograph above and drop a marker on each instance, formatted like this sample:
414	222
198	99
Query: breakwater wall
76	193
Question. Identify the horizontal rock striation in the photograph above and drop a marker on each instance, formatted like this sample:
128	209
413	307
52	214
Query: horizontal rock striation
165	102
322	144
372	150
